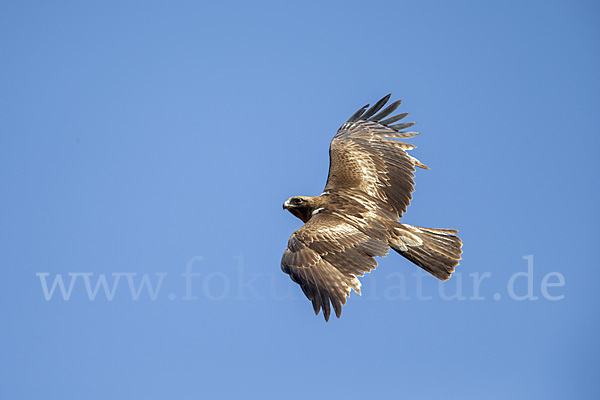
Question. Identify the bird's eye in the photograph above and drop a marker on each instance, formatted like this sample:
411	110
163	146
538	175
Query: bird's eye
298	201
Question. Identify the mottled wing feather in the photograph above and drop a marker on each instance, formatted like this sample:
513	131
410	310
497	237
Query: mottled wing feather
326	255
365	155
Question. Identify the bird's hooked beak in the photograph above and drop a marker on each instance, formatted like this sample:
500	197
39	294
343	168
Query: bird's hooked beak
286	205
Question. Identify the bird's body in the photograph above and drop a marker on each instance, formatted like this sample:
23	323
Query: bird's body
356	217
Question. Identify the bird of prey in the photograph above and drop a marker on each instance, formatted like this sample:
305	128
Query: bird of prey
356	217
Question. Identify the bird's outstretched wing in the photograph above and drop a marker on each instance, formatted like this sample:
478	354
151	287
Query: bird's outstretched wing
326	255
365	156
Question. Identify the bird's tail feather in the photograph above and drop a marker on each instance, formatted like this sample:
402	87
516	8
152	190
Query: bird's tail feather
437	251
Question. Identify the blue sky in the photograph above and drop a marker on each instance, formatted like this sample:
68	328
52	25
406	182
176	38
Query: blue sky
149	141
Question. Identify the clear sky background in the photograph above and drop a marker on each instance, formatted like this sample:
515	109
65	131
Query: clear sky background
144	139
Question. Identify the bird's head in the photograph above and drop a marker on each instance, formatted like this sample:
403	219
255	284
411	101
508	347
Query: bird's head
300	206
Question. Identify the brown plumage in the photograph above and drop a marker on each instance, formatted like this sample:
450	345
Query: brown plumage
356	217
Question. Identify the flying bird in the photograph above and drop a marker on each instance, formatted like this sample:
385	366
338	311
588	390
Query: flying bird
356	217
